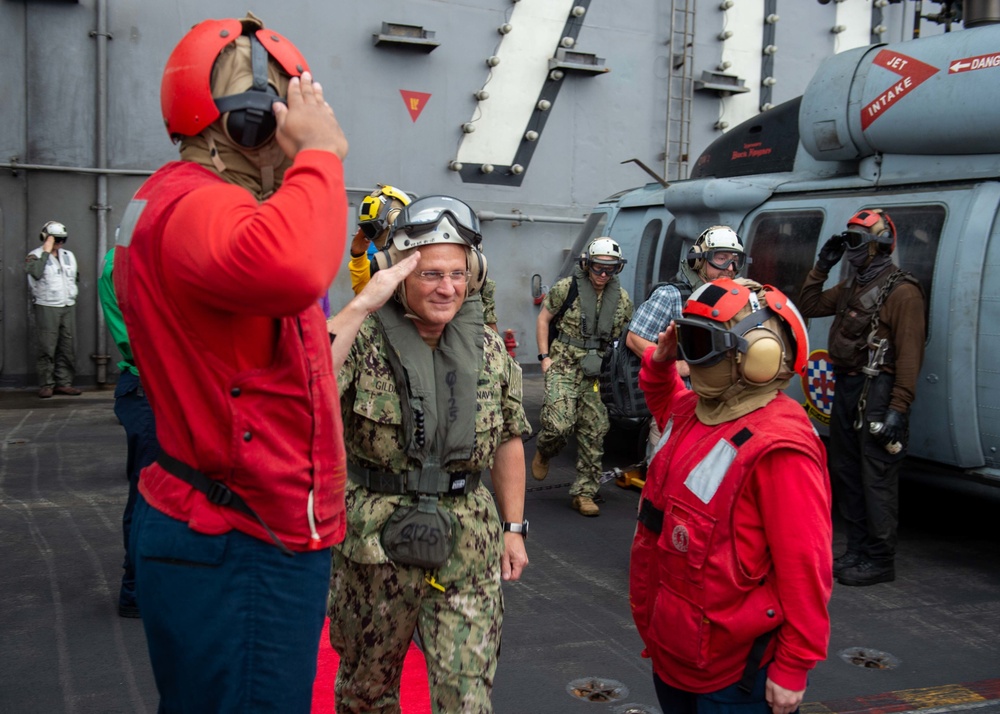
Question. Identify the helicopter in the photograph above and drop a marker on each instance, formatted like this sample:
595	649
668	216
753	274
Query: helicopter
903	127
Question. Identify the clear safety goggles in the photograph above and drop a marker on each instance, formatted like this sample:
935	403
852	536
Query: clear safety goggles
723	259
606	268
423	215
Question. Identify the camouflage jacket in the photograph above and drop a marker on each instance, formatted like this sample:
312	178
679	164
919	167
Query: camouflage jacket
372	414
565	356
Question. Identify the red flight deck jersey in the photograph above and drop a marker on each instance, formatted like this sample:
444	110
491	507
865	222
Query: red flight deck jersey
741	544
219	295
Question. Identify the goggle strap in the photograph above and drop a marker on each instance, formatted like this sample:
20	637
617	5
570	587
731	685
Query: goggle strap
754	319
258	63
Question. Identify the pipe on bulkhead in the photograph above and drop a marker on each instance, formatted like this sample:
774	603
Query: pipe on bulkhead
101	204
525	218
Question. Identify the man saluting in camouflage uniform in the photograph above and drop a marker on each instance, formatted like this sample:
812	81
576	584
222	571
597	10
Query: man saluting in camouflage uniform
430	400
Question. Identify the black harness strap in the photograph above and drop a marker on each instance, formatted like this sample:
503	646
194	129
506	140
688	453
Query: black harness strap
574	290
216	492
754	660
651	516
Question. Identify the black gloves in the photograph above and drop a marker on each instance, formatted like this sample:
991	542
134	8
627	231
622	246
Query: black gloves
831	253
894	428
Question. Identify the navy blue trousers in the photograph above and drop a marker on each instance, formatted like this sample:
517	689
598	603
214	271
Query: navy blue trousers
729	700
135	414
232	624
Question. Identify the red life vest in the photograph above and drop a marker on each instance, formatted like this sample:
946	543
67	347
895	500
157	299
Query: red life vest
696	607
272	435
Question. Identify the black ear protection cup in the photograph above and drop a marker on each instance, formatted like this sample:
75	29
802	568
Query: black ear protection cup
694	259
764	357
251	127
582	261
251	121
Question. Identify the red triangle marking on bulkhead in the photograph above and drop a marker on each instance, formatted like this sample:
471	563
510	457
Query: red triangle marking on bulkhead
415	102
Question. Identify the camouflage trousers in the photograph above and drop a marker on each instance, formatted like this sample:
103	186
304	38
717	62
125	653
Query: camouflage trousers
573	402
376	608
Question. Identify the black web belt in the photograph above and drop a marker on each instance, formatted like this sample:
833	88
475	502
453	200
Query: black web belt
216	492
652	517
444	483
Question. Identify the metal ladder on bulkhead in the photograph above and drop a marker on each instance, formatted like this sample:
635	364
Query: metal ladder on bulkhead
680	89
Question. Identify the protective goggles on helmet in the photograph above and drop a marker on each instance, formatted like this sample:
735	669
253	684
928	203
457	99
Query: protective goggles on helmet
856	238
705	342
602	268
723	259
423	215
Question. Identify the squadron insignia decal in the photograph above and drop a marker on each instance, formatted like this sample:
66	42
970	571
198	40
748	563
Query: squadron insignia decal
818	383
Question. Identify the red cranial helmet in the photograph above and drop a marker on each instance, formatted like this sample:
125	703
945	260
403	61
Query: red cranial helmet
726	317
186	93
872	225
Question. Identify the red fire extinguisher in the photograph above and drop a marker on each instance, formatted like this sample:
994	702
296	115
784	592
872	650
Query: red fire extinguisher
510	342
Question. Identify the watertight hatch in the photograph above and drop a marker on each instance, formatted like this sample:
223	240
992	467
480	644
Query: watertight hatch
869	658
593	689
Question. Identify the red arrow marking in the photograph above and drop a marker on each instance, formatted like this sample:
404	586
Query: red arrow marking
967	64
912	72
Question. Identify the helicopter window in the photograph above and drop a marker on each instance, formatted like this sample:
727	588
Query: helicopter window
649	250
918	230
783	248
670	256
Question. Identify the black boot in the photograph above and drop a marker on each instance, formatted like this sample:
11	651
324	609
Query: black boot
868	572
845	561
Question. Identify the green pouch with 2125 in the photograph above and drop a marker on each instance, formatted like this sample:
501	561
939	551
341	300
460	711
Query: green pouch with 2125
421	535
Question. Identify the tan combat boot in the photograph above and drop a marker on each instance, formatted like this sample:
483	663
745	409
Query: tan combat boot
539	467
586	506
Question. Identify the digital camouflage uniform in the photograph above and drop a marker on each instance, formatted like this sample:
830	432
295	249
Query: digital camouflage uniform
488	294
573	400
375	605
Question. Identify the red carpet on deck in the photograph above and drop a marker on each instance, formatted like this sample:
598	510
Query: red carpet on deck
414	694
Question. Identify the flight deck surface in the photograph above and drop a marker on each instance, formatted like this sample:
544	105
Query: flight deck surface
930	641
